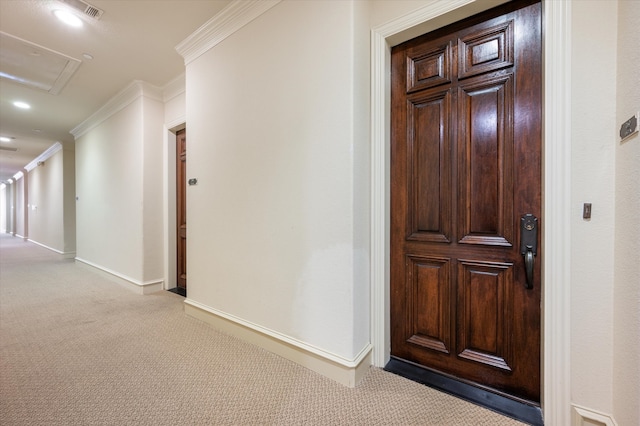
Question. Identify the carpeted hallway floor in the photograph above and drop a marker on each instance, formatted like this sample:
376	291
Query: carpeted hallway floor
79	349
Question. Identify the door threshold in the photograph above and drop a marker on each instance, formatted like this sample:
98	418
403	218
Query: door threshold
179	290
531	414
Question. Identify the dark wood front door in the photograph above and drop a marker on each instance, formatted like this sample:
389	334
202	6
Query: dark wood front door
465	167
181	214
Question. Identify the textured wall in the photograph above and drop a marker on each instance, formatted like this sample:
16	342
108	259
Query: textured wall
152	189
626	385
69	195
119	185
21	225
3	208
275	115
109	166
592	165
46	199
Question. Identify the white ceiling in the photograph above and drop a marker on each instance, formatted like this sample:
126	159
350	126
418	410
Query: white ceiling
132	40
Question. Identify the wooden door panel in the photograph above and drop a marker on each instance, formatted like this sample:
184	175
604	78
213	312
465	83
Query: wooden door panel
485	49
181	208
485	312
429	67
429	289
429	167
486	161
465	166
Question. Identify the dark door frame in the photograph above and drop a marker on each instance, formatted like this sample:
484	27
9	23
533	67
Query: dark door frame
170	202
181	213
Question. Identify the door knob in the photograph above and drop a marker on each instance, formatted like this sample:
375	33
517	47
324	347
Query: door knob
529	244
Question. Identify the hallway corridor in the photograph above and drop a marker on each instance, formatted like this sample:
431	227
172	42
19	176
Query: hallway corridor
76	348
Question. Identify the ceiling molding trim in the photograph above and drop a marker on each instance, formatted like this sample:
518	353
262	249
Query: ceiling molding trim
150	91
174	88
44	156
125	97
230	19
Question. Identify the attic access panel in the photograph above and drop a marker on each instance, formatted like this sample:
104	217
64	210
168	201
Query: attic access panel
35	66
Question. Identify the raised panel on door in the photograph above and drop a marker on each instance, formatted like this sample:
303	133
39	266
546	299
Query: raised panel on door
429	288
485	166
429	67
486	49
485	312
429	167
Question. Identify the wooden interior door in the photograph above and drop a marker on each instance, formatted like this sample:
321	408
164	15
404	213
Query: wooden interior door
181	214
465	167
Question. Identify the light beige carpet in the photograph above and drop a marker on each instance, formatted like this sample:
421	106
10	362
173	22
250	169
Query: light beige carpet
79	349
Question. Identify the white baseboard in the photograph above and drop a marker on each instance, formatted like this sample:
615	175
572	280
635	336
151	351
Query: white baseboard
344	371
583	416
146	287
65	254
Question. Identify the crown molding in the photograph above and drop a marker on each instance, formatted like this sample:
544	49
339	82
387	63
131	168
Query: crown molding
174	88
44	156
230	19
125	97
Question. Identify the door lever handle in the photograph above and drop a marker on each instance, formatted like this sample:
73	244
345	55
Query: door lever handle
528	265
528	244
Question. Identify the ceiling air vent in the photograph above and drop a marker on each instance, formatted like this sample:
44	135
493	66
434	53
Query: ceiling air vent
84	8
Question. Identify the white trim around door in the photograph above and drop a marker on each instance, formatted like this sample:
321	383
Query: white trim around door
556	402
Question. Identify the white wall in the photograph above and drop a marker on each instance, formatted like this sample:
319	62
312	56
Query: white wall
153	195
21	228
174	101
626	317
46	214
10	207
593	181
360	75
109	191
51	203
119	186
276	114
69	200
3	207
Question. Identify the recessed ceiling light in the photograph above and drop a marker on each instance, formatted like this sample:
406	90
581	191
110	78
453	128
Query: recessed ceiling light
22	105
4	139
88	56
68	18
